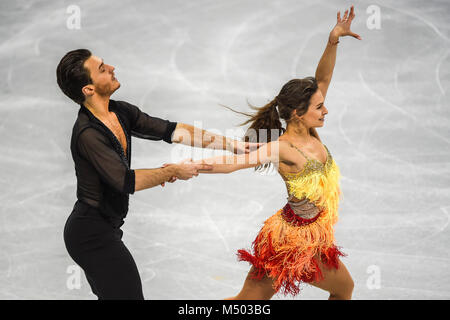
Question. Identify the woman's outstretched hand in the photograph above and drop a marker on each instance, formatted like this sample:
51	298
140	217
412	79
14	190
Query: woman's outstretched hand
342	27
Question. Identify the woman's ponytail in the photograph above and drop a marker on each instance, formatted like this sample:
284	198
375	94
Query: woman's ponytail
265	123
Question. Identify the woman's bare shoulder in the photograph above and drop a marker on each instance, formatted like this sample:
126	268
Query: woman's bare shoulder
283	141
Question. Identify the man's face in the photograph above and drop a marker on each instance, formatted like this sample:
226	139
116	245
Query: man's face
102	75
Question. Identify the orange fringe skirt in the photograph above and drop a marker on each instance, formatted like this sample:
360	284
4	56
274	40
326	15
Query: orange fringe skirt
286	249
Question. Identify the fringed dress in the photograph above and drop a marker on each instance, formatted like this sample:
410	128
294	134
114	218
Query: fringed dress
289	243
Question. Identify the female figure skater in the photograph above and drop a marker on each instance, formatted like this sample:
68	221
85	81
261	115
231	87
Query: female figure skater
297	243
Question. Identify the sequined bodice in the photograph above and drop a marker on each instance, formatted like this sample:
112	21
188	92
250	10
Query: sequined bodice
312	165
309	185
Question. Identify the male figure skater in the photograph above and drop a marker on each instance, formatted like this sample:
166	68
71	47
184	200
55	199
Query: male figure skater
101	150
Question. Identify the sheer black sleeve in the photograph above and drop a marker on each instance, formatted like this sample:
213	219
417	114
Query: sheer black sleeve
97	150
148	127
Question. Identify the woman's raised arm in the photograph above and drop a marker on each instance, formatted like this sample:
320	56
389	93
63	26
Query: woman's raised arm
325	68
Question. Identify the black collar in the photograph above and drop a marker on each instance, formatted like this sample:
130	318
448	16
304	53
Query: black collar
83	108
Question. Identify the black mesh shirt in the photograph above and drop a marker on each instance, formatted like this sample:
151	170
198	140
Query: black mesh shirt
104	177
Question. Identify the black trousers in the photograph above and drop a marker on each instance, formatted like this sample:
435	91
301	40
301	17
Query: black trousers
96	246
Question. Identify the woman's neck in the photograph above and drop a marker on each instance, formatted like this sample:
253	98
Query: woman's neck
299	134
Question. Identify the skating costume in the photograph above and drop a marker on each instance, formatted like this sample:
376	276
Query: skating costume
105	180
290	242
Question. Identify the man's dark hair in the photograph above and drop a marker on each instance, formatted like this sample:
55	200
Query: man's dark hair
71	74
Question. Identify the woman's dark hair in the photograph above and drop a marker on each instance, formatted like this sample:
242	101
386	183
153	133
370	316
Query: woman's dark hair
71	74
294	95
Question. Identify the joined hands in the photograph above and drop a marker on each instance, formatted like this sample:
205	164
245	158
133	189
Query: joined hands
187	169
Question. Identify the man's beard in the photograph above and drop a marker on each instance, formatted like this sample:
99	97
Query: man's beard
107	91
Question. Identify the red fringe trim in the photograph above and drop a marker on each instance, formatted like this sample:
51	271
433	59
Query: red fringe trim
289	215
286	279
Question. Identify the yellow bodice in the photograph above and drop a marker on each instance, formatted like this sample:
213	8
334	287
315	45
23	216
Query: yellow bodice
317	182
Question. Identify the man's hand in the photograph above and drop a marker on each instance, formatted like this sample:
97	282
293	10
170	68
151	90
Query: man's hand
342	27
186	170
171	180
239	147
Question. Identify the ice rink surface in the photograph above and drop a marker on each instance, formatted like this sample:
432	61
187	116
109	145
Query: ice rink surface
388	129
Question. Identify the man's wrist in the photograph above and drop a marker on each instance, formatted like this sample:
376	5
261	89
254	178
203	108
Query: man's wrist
172	170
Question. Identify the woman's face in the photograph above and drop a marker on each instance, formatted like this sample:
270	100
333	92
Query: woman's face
315	116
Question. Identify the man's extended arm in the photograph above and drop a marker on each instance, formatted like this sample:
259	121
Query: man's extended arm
149	178
195	137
